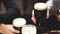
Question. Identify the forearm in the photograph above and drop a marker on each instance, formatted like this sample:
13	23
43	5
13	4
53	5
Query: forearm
9	16
11	7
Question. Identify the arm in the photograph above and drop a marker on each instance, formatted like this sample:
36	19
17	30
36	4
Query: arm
12	11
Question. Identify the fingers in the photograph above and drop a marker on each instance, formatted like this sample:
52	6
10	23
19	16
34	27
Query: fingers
47	14
4	29
34	20
58	17
8	32
33	17
10	27
15	31
33	13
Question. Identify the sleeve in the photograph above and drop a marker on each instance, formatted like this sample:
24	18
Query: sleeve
49	4
12	11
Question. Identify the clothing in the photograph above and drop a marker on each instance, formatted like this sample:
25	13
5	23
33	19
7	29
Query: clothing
28	7
12	11
54	6
52	24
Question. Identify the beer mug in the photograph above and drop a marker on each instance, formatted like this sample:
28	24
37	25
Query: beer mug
29	29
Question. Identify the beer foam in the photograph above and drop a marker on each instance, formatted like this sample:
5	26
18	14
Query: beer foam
40	6
19	22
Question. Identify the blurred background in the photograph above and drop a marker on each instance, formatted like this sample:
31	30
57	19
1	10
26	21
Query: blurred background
25	6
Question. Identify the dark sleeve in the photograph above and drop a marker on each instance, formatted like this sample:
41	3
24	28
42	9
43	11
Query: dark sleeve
12	11
55	8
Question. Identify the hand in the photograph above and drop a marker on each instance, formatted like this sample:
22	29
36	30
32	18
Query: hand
58	17
33	17
47	14
34	20
7	29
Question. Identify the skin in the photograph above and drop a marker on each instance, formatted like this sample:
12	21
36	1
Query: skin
7	29
11	8
58	17
4	28
33	17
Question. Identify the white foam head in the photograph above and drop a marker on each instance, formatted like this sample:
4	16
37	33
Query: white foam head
19	22
40	6
29	29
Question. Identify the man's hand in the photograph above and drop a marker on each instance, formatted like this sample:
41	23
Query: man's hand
33	17
58	17
47	14
7	29
34	20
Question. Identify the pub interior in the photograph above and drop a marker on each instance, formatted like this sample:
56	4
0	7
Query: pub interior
40	17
